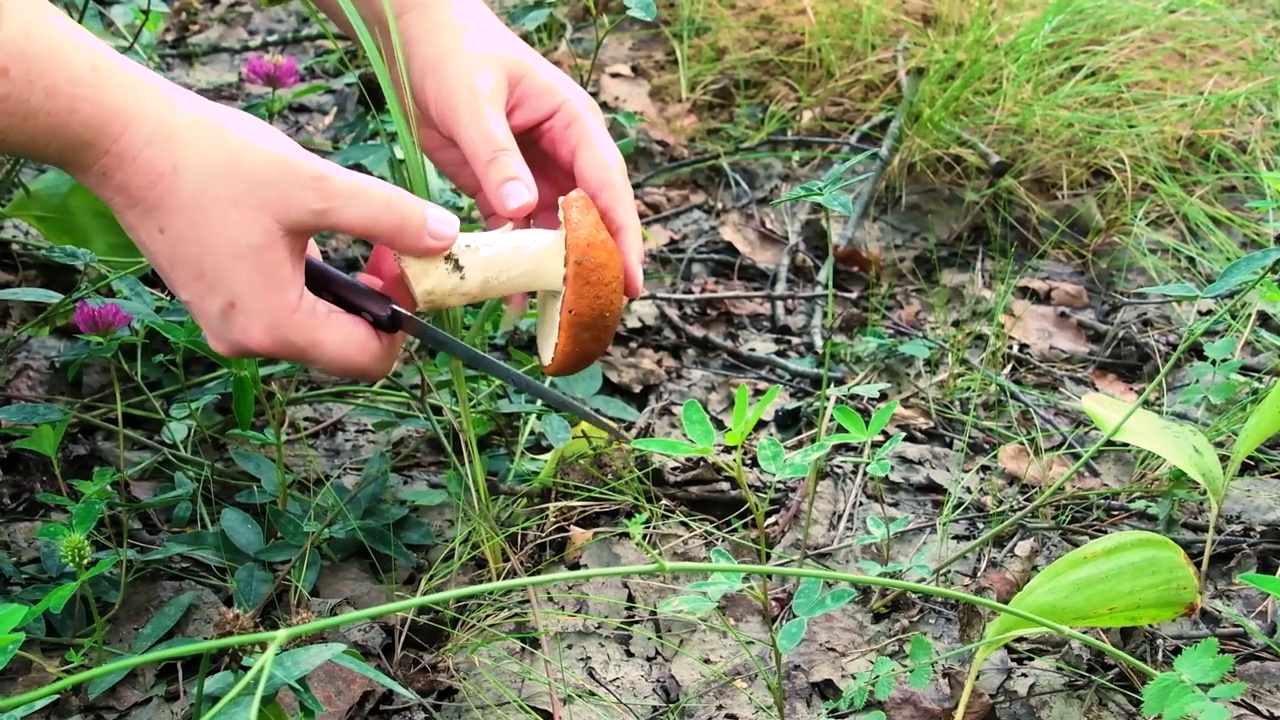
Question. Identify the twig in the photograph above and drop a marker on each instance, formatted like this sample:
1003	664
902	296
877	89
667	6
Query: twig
888	149
195	51
744	295
783	269
795	225
997	166
740	149
706	338
908	82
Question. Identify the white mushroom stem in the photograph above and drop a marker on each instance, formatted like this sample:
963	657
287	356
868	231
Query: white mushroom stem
494	264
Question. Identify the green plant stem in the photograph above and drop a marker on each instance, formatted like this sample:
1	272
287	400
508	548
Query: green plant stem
258	667
1050	493
326	624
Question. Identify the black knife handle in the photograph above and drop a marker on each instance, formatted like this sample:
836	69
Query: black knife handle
341	290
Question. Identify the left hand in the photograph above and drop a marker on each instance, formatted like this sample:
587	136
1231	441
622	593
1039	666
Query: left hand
509	128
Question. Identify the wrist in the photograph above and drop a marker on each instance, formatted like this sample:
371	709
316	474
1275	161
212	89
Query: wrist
63	91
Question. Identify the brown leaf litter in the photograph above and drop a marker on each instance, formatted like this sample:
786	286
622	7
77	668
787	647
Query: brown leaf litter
1048	332
1018	462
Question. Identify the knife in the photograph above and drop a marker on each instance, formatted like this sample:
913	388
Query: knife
346	293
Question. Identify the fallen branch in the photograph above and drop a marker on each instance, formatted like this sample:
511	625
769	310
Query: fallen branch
706	338
866	192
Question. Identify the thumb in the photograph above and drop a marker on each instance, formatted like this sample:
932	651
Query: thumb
481	131
346	201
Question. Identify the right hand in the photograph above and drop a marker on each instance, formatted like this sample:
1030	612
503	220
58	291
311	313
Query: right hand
225	206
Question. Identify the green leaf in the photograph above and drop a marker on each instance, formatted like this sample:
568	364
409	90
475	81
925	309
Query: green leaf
85	515
665	446
260	466
694	605
791	634
757	413
57	600
1126	578
880	420
29	708
357	665
243	400
1241	272
738	423
613	407
828	602
31	413
851	421
1269	584
250	584
1180	444
1202	664
643	10
1262	423
33	295
290	666
1177	291
807	593
11	615
163	621
697	424
769	454
242	530
10	643
65	212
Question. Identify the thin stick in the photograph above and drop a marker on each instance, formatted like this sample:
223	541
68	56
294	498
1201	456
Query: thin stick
715	342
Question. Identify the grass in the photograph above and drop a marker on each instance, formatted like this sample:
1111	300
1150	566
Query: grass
1165	112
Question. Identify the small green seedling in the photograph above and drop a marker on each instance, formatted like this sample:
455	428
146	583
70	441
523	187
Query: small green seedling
809	602
1185	447
1177	693
1124	579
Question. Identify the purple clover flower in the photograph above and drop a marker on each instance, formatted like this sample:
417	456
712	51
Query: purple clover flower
100	320
274	71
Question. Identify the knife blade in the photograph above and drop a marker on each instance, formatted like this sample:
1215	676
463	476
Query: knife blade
346	293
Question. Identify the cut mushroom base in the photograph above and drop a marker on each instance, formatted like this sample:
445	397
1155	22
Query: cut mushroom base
575	272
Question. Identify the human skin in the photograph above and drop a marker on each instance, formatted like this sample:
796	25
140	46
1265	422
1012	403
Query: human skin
225	206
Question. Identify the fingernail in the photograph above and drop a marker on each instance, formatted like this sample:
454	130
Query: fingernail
514	194
442	225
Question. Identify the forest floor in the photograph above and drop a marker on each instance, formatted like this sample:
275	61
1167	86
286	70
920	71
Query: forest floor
1032	167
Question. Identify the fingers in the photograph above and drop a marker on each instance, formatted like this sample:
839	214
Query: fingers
600	170
343	200
302	328
479	127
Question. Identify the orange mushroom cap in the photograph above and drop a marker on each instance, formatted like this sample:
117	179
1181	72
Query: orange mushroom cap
592	303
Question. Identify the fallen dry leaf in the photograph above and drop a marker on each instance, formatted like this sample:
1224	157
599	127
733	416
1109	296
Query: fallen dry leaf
904	416
1048	334
909	315
1056	292
754	242
338	689
657	236
578	538
635	368
1112	385
1016	460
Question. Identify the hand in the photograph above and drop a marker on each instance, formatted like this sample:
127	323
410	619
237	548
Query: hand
508	127
225	207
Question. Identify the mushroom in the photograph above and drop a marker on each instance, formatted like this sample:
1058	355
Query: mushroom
576	271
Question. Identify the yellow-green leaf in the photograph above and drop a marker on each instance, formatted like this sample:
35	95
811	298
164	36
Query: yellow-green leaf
1182	445
1127	578
1263	422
